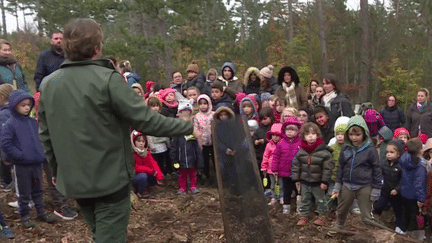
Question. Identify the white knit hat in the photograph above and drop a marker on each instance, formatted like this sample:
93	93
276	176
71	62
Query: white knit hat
253	124
184	105
266	72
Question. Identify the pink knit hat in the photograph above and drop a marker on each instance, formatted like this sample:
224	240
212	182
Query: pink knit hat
399	131
370	116
164	92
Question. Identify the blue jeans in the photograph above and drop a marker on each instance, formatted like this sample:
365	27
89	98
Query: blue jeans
142	181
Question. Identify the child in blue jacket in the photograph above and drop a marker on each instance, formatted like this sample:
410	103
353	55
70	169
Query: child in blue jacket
413	184
359	173
20	142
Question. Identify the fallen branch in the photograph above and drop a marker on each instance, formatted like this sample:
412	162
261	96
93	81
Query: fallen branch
348	232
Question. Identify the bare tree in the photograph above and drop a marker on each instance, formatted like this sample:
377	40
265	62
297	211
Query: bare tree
323	44
366	62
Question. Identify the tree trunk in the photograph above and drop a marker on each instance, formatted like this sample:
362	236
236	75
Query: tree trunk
290	22
323	44
365	66
3	18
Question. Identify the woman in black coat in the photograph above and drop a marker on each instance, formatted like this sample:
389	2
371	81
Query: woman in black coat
419	115
393	116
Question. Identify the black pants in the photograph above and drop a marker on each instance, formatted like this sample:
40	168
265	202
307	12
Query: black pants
29	182
207	154
58	199
395	202
288	187
5	173
410	210
164	162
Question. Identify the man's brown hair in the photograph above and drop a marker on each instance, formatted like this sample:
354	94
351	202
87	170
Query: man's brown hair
4	42
80	38
308	128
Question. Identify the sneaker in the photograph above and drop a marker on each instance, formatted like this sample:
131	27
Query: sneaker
281	201
399	231
15	204
286	209
46	217
268	193
302	221
8	187
272	201
355	211
181	192
320	220
66	213
144	194
195	191
26	222
333	233
6	232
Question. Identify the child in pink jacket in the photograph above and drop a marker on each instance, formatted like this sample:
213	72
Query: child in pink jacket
283	156
203	123
273	137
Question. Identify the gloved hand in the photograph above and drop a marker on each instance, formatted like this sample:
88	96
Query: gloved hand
176	166
375	194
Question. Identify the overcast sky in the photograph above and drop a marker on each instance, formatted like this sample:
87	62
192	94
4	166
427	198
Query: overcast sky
11	21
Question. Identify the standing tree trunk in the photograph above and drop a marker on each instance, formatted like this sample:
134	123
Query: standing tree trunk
3	18
290	22
366	64
324	62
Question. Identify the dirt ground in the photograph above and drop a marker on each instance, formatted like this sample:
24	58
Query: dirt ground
166	217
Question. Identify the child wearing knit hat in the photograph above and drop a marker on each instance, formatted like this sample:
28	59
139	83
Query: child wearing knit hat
385	135
170	104
403	134
186	154
340	140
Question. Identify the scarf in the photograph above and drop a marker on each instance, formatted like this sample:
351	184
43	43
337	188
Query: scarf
141	152
173	104
328	98
7	60
421	107
309	148
290	94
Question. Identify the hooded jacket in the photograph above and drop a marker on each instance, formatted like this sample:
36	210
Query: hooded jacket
255	107
95	108
225	101
233	85
416	119
198	82
394	117
387	136
144	162
203	121
132	78
148	88
281	93
13	74
413	185
252	87
374	122
19	135
208	83
186	151
313	168
286	150
358	166
267	159
138	86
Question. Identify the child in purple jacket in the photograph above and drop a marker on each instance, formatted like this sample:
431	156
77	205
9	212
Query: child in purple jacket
283	156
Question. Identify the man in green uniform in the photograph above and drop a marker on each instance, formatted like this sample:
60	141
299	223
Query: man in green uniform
85	112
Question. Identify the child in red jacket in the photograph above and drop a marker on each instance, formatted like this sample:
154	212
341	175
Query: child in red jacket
147	170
